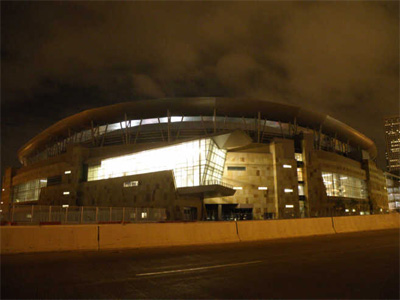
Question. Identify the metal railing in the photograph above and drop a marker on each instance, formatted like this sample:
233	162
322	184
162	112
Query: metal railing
36	214
217	182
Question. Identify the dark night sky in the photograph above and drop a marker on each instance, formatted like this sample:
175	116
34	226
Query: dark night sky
59	58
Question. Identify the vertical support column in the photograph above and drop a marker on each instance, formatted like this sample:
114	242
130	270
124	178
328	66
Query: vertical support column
126	129
97	214
219	212
319	137
110	213
66	215
123	215
169	125
32	214
258	126
280	126
50	213
12	214
215	120
81	214
92	133
138	130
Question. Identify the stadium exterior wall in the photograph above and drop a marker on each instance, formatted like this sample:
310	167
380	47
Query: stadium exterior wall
281	173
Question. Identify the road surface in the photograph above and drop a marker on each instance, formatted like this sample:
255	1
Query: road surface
357	265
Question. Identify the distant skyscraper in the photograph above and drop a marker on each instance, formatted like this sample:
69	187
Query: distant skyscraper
392	135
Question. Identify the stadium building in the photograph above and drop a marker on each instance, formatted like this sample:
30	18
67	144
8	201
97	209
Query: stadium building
201	158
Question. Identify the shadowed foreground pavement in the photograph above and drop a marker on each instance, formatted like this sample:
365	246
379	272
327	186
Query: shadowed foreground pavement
357	265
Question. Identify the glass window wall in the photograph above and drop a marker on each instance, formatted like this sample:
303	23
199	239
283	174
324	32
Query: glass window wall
28	191
339	185
194	163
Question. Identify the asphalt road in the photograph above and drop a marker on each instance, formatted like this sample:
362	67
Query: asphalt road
358	265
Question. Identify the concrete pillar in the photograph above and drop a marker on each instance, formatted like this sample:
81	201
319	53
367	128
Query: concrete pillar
286	203
314	188
6	192
376	183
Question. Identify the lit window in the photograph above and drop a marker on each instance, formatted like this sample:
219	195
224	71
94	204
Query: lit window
144	215
65	193
28	191
67	172
65	205
263	188
338	185
288	190
237	188
289	205
287	166
298	156
131	183
194	163
346	210
300	174
301	189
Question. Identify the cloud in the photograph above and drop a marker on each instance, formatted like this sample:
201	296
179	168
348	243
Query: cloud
340	58
146	87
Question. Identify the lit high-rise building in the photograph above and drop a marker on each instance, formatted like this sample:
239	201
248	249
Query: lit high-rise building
392	136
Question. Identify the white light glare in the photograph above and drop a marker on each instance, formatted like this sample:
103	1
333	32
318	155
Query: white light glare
1	202
343	178
65	205
353	210
287	166
3	190
289	205
263	188
67	172
43	180
346	210
65	193
131	183
237	188
288	190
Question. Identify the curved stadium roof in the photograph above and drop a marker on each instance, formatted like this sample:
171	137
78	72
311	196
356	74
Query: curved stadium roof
206	106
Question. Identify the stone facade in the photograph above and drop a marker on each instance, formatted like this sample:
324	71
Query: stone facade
264	175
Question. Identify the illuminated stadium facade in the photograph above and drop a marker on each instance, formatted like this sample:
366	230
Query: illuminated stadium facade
202	158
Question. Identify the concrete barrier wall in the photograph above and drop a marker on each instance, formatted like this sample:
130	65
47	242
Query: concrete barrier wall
19	239
364	223
276	229
167	234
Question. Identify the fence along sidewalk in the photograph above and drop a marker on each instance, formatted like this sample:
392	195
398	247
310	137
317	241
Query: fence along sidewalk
36	214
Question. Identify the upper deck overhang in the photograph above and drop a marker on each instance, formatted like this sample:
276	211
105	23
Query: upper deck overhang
206	106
